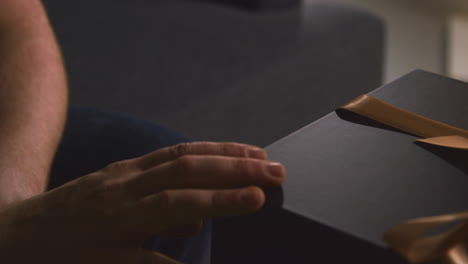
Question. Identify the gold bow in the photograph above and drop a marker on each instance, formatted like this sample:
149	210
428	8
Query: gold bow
411	238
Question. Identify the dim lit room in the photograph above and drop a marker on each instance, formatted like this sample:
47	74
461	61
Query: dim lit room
233	131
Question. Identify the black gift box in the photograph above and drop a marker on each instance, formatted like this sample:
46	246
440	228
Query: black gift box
350	180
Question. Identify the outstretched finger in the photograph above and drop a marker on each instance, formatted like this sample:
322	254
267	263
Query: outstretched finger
165	210
199	148
207	172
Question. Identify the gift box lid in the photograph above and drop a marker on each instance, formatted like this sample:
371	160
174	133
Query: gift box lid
362	179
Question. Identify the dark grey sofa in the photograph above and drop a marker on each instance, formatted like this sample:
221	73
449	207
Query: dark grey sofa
226	70
217	72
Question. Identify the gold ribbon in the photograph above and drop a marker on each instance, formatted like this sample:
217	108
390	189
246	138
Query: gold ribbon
412	238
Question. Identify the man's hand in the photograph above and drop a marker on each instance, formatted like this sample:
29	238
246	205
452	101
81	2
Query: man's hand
105	216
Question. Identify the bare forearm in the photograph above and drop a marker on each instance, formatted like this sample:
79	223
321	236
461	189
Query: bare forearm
33	103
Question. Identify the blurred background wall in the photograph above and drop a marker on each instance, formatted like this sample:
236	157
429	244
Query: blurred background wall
425	34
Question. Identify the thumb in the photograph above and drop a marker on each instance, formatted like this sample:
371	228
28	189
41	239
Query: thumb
153	257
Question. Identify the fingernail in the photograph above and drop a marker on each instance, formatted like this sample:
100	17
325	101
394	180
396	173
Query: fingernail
273	169
255	153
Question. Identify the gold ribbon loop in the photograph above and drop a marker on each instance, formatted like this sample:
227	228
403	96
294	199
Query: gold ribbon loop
433	132
411	238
